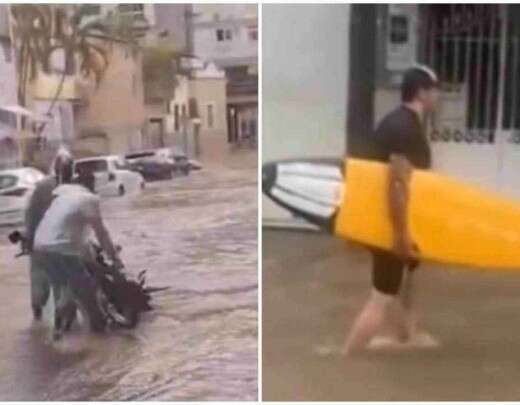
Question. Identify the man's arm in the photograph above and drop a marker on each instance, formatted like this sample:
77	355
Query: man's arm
398	193
38	204
101	232
30	221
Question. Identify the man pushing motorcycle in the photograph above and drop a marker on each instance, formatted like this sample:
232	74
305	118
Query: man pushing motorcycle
61	246
40	201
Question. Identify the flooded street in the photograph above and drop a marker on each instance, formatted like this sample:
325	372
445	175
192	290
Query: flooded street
313	287
196	234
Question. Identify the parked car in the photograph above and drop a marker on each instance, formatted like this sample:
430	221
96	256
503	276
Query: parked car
159	164
16	188
150	165
194	164
178	158
113	175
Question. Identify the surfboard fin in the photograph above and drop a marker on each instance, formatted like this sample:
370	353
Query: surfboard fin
311	189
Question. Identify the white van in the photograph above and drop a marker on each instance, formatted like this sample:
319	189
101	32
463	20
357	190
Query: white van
112	175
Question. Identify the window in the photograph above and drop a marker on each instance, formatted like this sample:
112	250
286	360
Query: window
7	119
253	34
176	117
224	35
92	166
91	9
252	128
130	8
7	181
399	29
210	117
121	164
6	47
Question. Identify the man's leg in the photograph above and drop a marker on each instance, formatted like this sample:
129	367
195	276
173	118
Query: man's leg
407	305
387	274
369	321
40	289
69	313
50	263
84	289
59	291
407	322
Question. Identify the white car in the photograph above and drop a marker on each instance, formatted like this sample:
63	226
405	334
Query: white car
16	188
194	164
112	175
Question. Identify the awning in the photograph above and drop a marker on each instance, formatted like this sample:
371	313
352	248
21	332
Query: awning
19	110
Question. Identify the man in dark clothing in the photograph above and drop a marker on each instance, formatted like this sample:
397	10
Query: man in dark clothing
401	142
38	204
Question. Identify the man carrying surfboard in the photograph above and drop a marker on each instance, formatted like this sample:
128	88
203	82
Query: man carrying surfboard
400	141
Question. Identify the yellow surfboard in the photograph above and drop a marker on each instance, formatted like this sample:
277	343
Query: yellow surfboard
450	221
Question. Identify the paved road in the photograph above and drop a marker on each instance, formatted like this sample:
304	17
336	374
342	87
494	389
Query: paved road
196	234
314	285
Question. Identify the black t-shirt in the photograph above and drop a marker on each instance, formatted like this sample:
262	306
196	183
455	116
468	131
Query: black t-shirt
401	132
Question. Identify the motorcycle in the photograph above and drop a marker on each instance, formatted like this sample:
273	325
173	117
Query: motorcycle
120	297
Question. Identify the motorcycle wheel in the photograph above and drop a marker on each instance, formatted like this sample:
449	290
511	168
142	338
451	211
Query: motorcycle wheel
126	318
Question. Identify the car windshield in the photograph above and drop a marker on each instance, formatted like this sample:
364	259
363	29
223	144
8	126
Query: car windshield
139	155
92	166
164	152
7	180
121	164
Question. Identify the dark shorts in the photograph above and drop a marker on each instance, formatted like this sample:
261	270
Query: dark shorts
388	271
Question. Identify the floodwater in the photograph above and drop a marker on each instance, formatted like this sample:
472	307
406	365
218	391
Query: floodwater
196	234
314	285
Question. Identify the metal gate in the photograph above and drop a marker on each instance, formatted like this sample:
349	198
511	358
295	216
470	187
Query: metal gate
475	49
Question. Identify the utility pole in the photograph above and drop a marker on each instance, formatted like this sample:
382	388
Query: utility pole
192	115
188	16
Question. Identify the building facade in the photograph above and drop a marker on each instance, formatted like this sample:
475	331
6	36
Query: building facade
335	70
191	113
475	50
305	81
227	34
9	149
111	118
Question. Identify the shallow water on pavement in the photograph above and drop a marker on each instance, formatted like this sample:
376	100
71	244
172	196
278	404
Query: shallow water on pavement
313	287
197	234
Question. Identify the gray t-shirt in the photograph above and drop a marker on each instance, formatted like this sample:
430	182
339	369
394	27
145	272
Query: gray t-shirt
65	227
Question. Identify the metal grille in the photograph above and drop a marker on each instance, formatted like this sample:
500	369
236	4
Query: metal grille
511	96
463	43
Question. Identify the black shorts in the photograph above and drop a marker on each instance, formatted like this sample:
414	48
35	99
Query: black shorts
388	270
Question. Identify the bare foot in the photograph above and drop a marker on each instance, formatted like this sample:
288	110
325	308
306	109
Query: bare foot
420	340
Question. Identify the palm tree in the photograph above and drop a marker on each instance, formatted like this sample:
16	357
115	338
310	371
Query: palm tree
32	31
42	32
